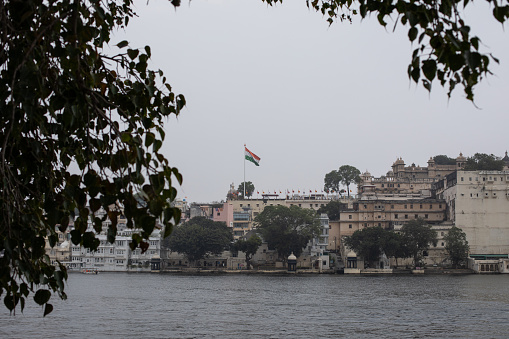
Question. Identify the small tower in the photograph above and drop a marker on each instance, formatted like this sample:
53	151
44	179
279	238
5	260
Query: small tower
460	161
292	263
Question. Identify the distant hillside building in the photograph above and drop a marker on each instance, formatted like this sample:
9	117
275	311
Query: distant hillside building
407	181
389	214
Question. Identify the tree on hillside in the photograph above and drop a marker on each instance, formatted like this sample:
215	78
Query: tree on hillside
484	162
367	243
332	209
200	237
456	245
418	237
444	160
65	102
332	181
444	49
287	229
249	247
249	189
349	174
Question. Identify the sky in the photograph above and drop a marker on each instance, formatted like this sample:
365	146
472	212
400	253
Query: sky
306	97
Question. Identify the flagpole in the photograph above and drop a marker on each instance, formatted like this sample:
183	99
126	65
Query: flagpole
244	194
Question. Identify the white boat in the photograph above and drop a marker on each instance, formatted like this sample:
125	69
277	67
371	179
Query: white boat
89	271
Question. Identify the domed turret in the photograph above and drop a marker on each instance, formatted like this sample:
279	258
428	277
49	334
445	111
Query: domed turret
460	161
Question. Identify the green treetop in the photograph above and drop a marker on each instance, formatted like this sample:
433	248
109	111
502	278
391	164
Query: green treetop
199	237
287	229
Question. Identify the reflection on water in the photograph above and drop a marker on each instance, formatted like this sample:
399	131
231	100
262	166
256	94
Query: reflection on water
231	306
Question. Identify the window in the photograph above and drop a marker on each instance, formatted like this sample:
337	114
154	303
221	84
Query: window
379	224
461	178
440	206
470	179
420	206
350	226
395	216
392	206
416	216
425	216
430	206
405	206
240	205
365	206
257	205
349	216
406	216
411	207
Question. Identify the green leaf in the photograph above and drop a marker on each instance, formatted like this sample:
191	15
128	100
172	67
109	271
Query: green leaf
412	33
133	53
122	44
41	297
429	68
456	61
48	309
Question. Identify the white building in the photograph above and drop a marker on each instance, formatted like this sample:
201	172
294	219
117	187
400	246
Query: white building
478	203
116	256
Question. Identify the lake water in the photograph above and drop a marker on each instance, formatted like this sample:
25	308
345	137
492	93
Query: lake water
121	305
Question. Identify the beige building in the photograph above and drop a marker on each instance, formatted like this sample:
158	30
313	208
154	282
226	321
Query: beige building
407	181
389	214
478	203
245	211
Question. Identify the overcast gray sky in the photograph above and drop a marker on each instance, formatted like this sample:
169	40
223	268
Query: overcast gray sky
305	97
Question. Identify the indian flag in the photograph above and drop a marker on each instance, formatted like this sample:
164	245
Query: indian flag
251	157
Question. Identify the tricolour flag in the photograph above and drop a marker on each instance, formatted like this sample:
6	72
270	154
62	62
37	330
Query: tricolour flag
251	157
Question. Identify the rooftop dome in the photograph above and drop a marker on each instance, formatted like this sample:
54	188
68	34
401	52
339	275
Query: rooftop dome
292	257
506	158
366	174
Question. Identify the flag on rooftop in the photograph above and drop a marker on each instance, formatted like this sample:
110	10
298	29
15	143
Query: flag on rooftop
251	157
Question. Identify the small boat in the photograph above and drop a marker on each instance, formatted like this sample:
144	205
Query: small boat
89	271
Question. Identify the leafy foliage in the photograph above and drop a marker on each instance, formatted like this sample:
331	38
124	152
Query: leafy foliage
393	245
332	209
64	102
418	236
444	160
249	189
200	237
349	174
367	243
484	162
456	245
332	181
287	229
444	51
249	247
